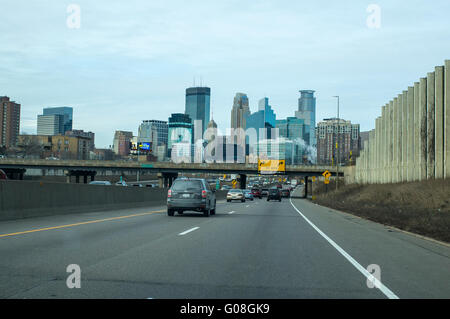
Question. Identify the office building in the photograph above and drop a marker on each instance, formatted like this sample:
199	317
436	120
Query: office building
161	127
9	122
239	111
67	116
50	124
294	129
198	108
307	112
122	143
332	131
180	129
262	121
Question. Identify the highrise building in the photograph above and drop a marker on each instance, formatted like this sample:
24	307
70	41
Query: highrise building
161	127
332	131
294	129
262	121
66	113
198	107
307	112
9	122
180	132
239	111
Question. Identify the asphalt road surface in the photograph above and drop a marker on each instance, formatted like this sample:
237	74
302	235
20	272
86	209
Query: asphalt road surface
259	249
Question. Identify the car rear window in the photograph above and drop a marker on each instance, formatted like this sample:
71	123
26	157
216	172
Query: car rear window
181	186
235	191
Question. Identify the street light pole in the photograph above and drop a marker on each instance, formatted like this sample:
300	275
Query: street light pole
337	144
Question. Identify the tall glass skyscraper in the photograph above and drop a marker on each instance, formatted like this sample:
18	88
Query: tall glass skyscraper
198	105
307	112
294	129
263	120
65	112
180	130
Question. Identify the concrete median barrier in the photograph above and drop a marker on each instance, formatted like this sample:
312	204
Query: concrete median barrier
24	199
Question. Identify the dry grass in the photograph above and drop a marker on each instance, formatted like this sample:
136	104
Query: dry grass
418	207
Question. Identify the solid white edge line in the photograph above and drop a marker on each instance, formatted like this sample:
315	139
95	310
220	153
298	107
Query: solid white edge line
188	231
385	290
232	212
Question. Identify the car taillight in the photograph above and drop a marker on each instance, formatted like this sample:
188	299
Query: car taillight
169	194
203	194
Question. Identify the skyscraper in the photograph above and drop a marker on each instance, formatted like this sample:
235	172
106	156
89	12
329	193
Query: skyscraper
180	133
239	111
198	106
262	120
65	112
293	129
9	122
307	112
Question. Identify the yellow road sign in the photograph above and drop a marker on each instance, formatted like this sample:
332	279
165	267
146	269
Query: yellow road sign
327	181
326	174
313	178
271	166
234	182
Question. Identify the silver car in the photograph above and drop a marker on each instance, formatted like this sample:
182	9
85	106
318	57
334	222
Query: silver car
235	194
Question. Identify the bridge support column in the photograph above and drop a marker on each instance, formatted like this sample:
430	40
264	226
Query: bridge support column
242	181
306	187
77	179
166	179
85	179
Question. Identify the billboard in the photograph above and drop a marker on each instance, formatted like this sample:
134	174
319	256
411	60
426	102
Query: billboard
145	146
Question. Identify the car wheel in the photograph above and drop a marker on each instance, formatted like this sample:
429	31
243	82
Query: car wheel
213	211
206	212
279	200
228	200
170	212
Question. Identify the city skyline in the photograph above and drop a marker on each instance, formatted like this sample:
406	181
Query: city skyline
124	70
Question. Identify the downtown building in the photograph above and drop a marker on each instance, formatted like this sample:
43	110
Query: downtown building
122	143
332	132
9	122
197	107
307	112
55	120
148	128
180	139
294	129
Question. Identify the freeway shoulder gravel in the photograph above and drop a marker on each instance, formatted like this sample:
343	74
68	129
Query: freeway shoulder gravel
265	250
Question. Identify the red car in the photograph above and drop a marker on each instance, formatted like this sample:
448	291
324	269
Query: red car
3	175
256	193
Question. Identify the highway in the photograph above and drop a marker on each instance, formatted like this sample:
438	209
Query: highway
259	249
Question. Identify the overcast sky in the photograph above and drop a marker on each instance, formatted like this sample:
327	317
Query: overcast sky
132	61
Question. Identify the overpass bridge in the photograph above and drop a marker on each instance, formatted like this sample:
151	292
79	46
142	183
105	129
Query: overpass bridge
166	171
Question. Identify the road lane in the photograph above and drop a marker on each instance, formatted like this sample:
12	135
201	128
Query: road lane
265	250
411	266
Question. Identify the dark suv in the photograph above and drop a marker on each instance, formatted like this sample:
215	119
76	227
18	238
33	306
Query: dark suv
274	194
192	194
